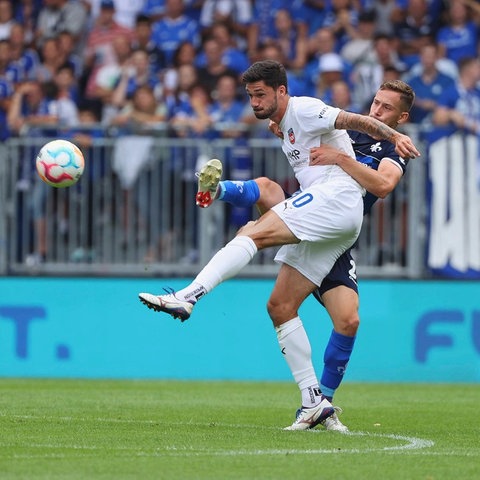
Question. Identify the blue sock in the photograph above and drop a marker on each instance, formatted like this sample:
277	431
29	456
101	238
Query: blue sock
240	194
336	357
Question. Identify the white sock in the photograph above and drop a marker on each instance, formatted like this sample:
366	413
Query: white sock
295	346
225	264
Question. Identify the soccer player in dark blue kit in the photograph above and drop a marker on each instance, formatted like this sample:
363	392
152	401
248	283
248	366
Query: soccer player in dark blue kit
378	168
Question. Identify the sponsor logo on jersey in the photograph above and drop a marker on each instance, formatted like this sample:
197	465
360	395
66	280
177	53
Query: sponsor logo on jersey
293	156
322	112
291	135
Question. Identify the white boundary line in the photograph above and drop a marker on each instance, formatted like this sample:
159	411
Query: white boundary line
407	443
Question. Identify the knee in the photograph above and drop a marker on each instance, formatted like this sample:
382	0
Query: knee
280	311
347	324
270	193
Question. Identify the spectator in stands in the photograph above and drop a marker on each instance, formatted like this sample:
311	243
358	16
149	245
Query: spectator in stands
361	44
331	70
290	39
66	48
341	97
6	19
429	85
174	28
8	71
232	56
143	40
126	12
88	135
391	73
24	58
50	60
459	106
100	51
320	43
189	114
185	54
187	79
26	14
367	75
32	112
102	85
66	96
414	31
342	19
154	9
313	13
235	14
214	68
57	16
227	108
136	121
6	92
385	13
143	109
263	27
135	73
84	135
99	48
459	37
30	106
443	64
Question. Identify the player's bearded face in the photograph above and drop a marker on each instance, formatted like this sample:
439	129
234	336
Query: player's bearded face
267	109
263	99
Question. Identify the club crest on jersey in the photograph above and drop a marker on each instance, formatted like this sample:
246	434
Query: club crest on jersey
376	147
291	136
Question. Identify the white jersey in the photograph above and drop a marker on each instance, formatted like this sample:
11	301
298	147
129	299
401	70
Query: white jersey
308	122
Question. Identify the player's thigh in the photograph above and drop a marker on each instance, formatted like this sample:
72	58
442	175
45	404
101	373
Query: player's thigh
290	290
268	231
342	304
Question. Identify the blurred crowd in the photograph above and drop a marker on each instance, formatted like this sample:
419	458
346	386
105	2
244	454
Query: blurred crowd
178	62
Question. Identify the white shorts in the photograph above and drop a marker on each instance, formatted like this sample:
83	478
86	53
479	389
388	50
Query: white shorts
327	218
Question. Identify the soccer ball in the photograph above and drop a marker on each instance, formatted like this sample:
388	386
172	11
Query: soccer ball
60	163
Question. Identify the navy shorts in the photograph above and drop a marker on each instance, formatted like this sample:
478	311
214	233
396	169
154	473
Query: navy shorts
342	273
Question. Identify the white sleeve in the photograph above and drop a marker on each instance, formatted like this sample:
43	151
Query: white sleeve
317	117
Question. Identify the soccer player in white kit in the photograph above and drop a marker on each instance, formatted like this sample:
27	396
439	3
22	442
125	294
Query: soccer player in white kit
314	228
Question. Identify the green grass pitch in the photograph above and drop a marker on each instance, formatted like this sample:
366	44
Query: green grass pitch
96	429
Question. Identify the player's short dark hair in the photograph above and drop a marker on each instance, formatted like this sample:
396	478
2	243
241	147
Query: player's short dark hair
407	95
271	72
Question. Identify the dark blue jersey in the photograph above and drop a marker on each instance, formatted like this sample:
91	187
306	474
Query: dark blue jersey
370	152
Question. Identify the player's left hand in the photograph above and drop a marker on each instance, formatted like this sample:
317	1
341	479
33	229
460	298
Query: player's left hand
405	147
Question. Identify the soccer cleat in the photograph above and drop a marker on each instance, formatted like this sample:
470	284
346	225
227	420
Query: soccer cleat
208	179
167	303
308	418
333	424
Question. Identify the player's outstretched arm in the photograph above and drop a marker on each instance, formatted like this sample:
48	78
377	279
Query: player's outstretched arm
373	127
